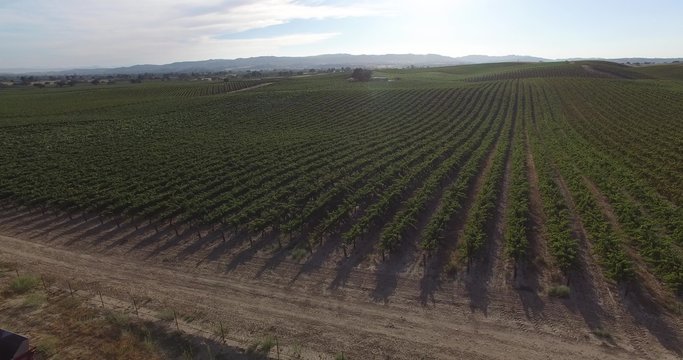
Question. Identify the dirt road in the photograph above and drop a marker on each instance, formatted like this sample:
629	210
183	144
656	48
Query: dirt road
307	312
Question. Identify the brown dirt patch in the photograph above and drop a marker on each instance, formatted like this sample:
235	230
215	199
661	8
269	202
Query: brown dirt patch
217	281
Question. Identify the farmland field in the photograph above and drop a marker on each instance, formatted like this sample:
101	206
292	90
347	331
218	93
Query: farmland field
464	195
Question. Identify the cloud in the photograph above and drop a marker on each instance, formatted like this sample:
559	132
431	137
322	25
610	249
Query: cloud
253	15
200	49
86	32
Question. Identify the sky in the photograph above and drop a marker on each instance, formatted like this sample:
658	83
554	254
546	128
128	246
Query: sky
86	33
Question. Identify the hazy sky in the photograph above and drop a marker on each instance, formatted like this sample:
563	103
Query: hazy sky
68	33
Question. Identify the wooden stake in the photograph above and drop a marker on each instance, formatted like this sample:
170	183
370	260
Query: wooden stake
43	281
101	300
16	271
175	316
222	332
71	292
135	305
277	348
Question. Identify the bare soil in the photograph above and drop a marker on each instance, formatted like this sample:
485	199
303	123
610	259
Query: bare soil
253	87
212	282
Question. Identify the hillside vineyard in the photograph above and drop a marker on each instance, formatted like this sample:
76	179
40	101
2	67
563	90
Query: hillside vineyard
569	157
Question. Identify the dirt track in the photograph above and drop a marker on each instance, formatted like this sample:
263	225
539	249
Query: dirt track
253	299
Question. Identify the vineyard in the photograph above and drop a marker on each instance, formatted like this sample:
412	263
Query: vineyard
493	167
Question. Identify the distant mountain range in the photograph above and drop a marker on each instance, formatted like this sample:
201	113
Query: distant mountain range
308	62
634	60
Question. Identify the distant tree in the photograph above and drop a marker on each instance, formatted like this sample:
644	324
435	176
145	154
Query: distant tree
39	85
95	81
360	74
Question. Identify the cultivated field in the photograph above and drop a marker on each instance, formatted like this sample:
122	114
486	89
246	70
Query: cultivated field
484	211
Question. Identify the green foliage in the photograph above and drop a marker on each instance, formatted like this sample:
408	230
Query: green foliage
166	315
47	346
261	347
319	158
406	218
34	300
299	253
669	71
484	207
559	291
516	241
562	245
454	195
606	244
602	333
361	74
117	319
23	284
